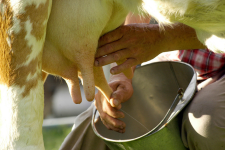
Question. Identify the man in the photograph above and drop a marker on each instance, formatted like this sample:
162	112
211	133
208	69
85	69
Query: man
203	120
203	125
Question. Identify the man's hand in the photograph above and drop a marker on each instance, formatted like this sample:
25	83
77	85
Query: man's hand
110	112
137	43
134	43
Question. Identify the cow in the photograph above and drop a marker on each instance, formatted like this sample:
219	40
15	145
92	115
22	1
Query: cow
41	37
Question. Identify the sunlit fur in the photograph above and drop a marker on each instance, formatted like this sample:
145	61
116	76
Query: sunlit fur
207	17
21	85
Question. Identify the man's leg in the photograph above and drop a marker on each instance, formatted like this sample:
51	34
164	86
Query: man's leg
82	137
203	125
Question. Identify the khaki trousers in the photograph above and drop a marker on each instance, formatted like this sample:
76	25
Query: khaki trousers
203	124
82	137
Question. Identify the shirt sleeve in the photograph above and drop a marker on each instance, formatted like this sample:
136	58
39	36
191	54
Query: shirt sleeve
205	62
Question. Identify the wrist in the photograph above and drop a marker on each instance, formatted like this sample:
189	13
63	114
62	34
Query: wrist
157	40
180	37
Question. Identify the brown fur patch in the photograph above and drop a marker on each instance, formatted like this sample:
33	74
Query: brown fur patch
37	16
5	53
19	51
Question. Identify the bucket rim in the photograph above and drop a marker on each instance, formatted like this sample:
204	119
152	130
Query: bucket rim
188	95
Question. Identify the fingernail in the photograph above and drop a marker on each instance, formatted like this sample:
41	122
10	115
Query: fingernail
122	116
116	102
96	62
121	131
112	71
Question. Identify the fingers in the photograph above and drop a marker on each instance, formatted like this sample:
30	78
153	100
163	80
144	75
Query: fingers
123	90
110	48
111	111
109	118
130	62
115	103
117	98
123	93
113	124
113	57
110	37
109	114
104	107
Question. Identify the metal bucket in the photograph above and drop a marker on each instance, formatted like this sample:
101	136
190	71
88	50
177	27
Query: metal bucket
161	91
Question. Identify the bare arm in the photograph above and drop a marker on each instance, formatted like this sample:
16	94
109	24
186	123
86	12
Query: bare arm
141	42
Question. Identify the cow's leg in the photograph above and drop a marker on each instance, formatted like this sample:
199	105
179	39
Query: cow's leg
22	34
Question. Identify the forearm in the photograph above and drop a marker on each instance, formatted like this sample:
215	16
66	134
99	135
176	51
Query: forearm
155	40
132	18
180	37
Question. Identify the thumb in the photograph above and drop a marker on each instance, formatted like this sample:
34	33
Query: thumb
115	103
117	97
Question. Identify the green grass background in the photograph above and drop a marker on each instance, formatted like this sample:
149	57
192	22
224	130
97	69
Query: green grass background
54	136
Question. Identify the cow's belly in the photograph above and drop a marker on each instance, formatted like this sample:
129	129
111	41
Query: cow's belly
73	31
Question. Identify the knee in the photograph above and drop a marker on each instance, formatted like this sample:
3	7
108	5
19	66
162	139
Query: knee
203	125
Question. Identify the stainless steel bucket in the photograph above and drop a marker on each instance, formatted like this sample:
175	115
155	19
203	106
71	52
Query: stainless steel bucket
161	91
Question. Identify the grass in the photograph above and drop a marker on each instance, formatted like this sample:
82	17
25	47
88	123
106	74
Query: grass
54	136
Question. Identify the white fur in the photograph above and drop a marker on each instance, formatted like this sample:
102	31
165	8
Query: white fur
2	7
21	117
35	75
75	23
32	42
35	44
19	5
78	22
207	17
16	26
